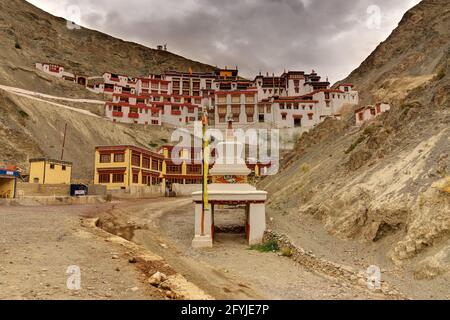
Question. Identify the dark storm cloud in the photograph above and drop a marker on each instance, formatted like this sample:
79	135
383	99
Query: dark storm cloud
257	35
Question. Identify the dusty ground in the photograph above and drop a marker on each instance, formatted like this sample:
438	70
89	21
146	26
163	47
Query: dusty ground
38	244
229	270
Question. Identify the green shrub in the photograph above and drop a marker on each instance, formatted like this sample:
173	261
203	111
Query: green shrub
268	246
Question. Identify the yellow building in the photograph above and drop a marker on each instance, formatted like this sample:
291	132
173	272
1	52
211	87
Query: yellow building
119	167
50	171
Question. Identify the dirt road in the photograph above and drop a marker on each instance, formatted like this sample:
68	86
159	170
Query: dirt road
37	97
229	270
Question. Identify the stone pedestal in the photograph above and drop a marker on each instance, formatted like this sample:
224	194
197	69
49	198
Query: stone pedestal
256	223
203	234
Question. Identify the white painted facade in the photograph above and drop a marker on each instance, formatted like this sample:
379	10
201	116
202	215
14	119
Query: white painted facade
368	113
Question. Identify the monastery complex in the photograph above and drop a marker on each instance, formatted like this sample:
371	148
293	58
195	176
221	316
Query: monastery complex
294	99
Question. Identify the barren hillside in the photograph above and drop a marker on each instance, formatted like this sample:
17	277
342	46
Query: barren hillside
30	128
375	184
29	35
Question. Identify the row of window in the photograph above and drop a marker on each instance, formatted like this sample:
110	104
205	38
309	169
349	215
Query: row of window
235	99
120	178
295	106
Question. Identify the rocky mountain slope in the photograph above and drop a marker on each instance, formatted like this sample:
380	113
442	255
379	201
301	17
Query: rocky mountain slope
29	35
376	184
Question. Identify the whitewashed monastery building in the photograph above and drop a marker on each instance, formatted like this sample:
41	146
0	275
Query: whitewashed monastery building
294	99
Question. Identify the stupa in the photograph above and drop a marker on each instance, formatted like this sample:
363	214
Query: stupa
230	187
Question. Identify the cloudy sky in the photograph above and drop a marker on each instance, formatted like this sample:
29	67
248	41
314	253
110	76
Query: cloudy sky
331	36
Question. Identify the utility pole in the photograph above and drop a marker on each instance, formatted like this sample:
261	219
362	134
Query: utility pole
64	142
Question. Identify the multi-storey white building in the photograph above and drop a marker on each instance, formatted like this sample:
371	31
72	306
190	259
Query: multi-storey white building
294	99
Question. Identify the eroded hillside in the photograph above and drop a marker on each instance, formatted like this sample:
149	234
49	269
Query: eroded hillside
29	35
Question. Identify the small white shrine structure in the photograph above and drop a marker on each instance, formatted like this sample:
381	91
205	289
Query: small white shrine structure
230	187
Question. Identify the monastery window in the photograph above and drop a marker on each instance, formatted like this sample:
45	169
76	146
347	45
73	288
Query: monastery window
63	168
296	83
194	169
327	95
310	116
334	96
118	178
250	118
297	90
186	92
249	99
296	106
346	89
289	106
282	106
208	84
328	104
372	112
222	110
361	116
270	91
176	84
155	122
104	178
155	86
236	117
265	90
105	158
311	107
136	160
198	101
269	108
221	118
174	169
135	178
339	96
52	166
236	110
261	109
236	99
119	157
283	116
146	163
155	165
133	110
